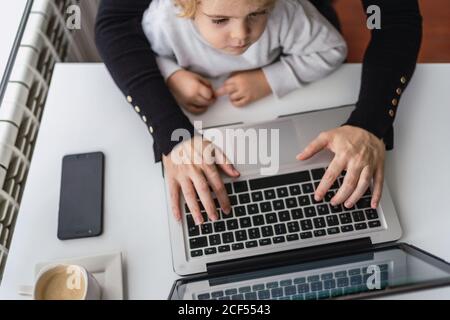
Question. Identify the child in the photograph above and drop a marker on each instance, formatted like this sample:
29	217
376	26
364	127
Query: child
262	46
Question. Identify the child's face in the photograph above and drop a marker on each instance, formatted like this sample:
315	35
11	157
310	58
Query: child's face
231	26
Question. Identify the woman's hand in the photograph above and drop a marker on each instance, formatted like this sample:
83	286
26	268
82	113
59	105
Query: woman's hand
192	91
245	87
358	152
192	167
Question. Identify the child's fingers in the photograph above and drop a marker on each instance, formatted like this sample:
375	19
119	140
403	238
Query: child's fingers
222	91
206	93
226	89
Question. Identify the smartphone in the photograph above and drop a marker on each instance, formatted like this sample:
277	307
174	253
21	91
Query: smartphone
81	198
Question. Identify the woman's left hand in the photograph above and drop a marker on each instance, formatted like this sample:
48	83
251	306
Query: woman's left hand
357	151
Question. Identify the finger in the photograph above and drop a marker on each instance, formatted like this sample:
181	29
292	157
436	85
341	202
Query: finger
196	109
191	199
377	187
202	188
315	146
334	170
222	91
225	164
216	183
348	186
174	190
361	188
206	93
241	102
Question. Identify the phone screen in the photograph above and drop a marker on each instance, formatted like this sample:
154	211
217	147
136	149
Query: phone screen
81	198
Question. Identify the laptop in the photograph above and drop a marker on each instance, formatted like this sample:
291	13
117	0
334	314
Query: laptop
275	220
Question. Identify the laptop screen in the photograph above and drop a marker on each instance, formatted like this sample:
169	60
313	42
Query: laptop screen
378	272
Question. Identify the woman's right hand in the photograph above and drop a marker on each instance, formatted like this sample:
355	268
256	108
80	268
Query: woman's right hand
192	91
191	168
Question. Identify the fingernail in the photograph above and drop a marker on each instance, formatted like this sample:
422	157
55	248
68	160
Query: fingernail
236	172
226	210
198	220
348	204
317	197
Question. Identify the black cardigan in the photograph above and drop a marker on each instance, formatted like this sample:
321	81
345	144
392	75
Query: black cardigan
389	64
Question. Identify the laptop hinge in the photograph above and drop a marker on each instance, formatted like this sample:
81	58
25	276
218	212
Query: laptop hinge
284	258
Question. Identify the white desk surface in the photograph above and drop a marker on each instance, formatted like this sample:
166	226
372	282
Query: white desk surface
86	112
11	13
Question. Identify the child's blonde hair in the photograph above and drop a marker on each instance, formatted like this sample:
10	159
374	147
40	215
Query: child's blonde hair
189	7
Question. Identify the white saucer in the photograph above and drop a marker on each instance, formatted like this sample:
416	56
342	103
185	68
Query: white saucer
107	270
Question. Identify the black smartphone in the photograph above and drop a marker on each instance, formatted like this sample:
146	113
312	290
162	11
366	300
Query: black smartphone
81	197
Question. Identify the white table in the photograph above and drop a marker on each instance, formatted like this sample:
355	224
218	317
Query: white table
86	112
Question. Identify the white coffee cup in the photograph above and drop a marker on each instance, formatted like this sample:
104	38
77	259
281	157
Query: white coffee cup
63	282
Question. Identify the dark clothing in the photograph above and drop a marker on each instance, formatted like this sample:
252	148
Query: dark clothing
389	64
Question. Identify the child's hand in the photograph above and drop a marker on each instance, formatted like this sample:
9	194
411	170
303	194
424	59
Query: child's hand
192	91
245	87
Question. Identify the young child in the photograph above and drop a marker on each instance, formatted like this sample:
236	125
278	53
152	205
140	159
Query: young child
262	46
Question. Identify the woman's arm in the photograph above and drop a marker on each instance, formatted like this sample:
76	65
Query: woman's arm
389	64
131	62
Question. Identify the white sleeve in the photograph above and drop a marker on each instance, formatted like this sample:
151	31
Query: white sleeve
312	49
160	41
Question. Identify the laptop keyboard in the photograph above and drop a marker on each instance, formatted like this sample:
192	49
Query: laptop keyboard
311	287
276	210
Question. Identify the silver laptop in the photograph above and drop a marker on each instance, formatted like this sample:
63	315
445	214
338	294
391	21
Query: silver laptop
276	213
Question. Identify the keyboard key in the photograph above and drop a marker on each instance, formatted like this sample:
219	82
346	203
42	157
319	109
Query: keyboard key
371	214
263	294
363	203
233	200
319	223
271	218
228	188
282	192
232	224
280	228
337	292
303	201
254	233
317	174
203	296
323	209
217	294
311	296
307	188
306	235
306	225
354	272
340	274
251	244
269	194
278	204
276	292
342	282
245	222
230	292
361	226
329	284
258	220
295	190
209	251
267	231
227	237
358	216
299	280
258	287
332	221
290	290
313	200
214	239
237	297
265	206
345	218
252	209
206	228
240	186
219	226
224	248
316	286
193	231
333	231
319	233
279	239
272	285
297	214
251	296
292	237
284	216
237	246
356	280
241	235
347	228
244	198
303	288
239	211
291	203
374	224
310	212
257	196
323	294
279	180
336	209
196	253
199	242
293	227
265	242
326	276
